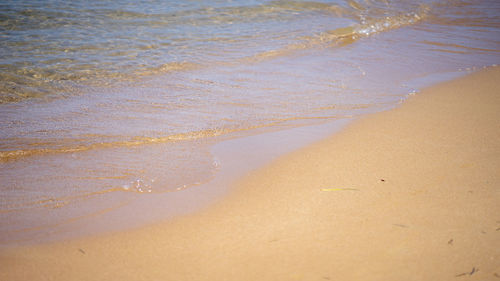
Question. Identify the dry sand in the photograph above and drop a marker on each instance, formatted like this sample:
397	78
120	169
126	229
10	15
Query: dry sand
408	194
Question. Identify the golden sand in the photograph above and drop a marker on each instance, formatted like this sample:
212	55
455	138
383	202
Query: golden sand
408	194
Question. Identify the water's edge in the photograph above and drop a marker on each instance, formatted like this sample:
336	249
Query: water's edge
235	156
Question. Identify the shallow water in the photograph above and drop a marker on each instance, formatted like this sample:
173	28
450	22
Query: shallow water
105	100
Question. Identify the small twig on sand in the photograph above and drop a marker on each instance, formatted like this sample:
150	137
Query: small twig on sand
338	189
400	225
474	270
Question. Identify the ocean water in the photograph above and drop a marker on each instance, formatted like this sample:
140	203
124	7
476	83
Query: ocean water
106	100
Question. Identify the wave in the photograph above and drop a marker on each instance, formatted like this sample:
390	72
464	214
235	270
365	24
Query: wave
370	27
349	34
98	46
58	146
136	141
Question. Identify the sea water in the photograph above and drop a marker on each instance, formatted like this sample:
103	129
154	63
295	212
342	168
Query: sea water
104	101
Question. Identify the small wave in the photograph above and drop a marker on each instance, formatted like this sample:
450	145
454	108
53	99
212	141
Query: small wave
63	147
346	35
136	141
16	154
369	27
47	82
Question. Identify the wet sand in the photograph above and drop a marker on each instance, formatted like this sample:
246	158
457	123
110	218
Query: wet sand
408	194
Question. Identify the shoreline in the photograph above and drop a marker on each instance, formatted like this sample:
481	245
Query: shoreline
406	194
237	156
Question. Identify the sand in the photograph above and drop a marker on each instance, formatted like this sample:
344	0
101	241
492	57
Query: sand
408	194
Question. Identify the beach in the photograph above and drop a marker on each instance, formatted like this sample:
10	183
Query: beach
406	194
119	115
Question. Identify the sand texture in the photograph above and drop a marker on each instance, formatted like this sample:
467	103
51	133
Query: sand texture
408	194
